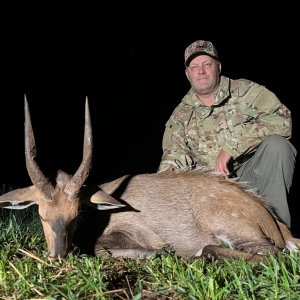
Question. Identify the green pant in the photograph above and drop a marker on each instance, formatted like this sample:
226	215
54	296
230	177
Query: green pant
270	172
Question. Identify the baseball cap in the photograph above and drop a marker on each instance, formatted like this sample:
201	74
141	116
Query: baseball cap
197	48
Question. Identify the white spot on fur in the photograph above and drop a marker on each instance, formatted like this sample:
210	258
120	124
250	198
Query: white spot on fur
291	246
224	239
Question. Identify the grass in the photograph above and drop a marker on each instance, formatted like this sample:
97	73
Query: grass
25	272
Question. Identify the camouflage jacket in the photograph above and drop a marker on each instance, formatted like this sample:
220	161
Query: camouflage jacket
244	113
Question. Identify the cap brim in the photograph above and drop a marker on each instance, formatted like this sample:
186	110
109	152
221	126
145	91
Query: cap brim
192	56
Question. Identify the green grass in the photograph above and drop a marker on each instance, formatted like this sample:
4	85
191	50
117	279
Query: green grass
25	272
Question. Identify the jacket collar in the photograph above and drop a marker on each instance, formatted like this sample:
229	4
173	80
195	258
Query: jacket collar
222	93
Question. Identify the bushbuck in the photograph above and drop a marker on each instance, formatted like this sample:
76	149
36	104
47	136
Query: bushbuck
194	213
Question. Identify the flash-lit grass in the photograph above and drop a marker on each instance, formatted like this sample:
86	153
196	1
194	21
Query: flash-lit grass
25	272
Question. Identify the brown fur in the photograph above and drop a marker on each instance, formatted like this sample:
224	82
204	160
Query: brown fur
187	211
191	212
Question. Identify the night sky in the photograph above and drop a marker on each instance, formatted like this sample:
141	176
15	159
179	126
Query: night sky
131	69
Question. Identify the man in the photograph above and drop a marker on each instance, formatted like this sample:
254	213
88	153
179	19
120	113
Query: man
234	127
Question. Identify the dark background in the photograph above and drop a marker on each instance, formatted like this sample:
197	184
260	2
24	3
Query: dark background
128	61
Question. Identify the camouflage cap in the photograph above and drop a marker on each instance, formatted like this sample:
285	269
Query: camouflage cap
198	48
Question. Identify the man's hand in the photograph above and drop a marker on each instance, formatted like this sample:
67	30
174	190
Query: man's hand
222	162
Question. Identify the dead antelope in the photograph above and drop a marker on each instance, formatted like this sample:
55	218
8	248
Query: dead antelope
191	212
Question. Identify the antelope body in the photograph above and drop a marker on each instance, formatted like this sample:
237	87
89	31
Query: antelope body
191	212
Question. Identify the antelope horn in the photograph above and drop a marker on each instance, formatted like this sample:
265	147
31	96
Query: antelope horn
36	176
76	182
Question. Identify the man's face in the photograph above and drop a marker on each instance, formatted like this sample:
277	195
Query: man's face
203	74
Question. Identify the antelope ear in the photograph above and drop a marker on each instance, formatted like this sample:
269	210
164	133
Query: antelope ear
18	199
16	204
105	201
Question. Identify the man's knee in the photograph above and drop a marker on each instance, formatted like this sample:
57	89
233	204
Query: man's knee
279	144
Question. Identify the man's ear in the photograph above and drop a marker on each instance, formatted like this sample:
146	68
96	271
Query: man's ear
187	74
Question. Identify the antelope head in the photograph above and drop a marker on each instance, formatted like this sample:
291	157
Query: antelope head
58	204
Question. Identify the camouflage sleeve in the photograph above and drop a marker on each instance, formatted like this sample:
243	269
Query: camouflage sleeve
265	115
176	154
